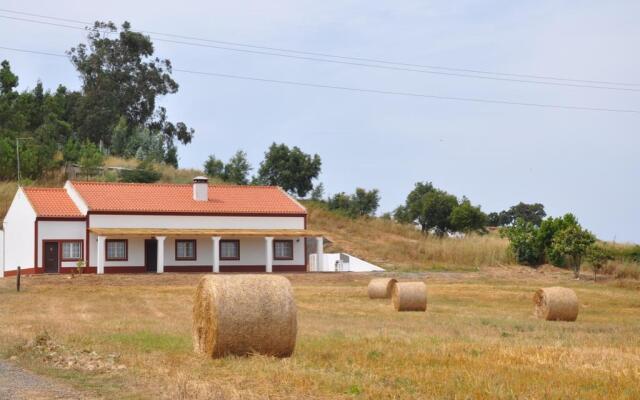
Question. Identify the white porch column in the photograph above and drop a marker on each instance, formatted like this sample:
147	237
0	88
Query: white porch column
320	254
160	257
216	253
100	254
268	247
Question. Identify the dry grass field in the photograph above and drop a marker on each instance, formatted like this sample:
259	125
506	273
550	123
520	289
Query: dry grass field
478	339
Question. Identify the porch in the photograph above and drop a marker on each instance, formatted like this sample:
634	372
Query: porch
161	250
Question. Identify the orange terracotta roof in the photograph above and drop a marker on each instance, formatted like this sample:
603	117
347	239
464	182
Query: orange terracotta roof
172	198
52	202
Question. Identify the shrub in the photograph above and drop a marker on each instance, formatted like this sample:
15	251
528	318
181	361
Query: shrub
548	230
361	203
598	256
144	173
524	242
572	243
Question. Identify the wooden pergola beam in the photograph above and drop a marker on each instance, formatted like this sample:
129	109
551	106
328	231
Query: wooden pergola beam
148	232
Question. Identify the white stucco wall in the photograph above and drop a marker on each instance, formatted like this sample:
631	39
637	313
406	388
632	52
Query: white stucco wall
194	222
135	253
252	252
60	230
19	230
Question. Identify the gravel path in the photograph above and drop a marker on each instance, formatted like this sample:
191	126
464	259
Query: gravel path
18	384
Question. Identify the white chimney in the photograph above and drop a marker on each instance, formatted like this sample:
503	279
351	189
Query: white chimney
200	188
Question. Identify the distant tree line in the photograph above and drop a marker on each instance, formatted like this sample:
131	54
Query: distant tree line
437	211
115	111
533	213
290	168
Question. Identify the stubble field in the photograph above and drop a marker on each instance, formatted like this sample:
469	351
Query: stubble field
129	336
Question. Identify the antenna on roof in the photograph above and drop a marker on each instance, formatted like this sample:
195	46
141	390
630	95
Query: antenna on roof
18	156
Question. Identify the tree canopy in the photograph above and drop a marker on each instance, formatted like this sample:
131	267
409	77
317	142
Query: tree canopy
121	78
437	211
468	218
116	108
291	169
237	169
359	204
533	213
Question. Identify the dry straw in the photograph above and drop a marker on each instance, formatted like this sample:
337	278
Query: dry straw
556	304
244	314
380	288
409	296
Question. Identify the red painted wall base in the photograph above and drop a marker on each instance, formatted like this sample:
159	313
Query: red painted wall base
167	268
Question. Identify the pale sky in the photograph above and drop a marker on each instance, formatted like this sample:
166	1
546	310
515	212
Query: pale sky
585	162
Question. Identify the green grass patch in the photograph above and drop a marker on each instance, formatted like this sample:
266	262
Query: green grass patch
146	341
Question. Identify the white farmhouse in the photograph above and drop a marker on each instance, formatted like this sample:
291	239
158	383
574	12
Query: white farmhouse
124	227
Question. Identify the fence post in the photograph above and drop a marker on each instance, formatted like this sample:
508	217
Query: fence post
18	280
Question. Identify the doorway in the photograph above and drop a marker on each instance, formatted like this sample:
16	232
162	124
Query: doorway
51	259
151	255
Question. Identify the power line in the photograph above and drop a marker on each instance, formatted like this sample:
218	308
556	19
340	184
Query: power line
346	62
373	91
359	59
44	53
357	64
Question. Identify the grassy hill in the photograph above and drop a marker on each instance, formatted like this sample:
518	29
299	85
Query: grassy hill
404	248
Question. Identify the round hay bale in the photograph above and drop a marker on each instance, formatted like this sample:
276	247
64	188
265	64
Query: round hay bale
244	314
409	296
556	304
380	288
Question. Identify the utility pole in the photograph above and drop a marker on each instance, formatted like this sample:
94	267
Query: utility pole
18	155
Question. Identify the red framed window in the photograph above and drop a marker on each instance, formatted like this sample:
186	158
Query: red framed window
116	249
283	249
229	249
71	250
186	250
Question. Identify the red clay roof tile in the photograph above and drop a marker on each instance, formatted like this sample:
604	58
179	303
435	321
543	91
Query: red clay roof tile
52	202
173	198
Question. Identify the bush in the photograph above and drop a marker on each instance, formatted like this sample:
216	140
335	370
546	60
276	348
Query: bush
361	203
598	256
144	173
572	243
524	242
549	228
